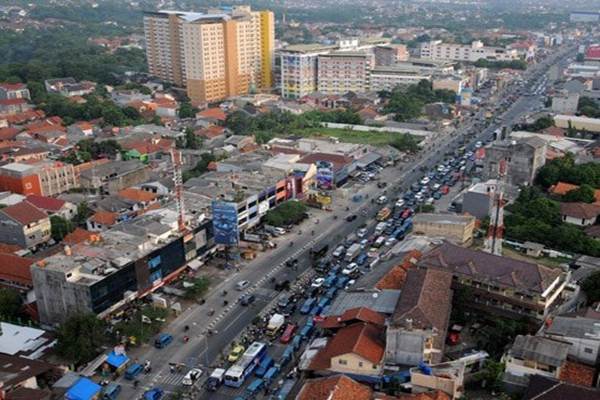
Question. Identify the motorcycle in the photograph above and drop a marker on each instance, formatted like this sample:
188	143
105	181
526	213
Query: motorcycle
225	302
211	313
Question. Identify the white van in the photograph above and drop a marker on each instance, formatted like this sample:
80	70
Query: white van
339	251
191	377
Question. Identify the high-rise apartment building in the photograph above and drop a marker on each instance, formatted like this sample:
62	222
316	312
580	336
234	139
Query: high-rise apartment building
214	55
390	54
341	72
298	69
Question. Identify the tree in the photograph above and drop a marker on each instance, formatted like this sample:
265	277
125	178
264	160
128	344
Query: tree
289	212
591	287
405	142
199	287
10	304
186	110
585	193
80	338
83	213
191	140
60	227
239	122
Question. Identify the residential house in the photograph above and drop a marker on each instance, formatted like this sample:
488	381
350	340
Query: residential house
15	273
417	331
53	206
161	187
69	87
240	142
17	373
500	285
8	133
81	128
357	350
212	116
111	177
583	334
542	387
101	221
337	387
534	355
350	317
142	199
210	133
562	188
581	214
14	91
14	106
396	277
165	107
25	225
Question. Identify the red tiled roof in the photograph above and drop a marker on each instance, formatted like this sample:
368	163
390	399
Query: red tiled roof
362	339
105	218
8	133
137	195
395	277
338	387
577	374
7	102
46	203
25	116
285	150
562	188
437	395
9	248
24	213
359	314
77	236
15	268
12	86
554	131
214	113
211	132
593	52
149	146
337	160
579	210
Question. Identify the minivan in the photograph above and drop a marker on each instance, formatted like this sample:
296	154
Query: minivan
163	340
111	391
133	371
339	251
241	285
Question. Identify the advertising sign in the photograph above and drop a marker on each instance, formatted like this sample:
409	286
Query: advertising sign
324	175
225	222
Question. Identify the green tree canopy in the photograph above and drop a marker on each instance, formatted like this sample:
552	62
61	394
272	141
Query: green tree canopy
10	304
186	110
585	194
289	212
80	338
60	227
591	287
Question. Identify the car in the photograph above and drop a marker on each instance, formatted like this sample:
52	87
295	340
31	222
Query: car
282	285
389	242
236	353
317	283
350	283
400	203
444	189
364	243
191	377
283	302
241	285
350	269
288	333
362	232
339	252
153	394
435	186
437	195
247	299
351	217
382	200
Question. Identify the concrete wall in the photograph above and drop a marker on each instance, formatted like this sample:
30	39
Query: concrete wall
477	204
354	364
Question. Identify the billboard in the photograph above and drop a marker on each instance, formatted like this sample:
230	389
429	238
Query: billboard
324	175
225	222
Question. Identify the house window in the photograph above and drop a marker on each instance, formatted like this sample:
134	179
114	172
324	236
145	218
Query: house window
343	362
360	363
588	350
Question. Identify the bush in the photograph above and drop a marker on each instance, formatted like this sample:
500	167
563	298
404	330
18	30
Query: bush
290	212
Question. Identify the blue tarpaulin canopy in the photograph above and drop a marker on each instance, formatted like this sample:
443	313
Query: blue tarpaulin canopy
83	389
116	360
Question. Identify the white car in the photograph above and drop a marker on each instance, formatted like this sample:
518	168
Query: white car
425	180
192	376
350	283
390	241
339	251
317	283
400	203
362	232
435	186
364	243
241	285
429	201
382	200
350	269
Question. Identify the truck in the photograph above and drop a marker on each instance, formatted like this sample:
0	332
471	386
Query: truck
352	252
275	324
384	214
215	380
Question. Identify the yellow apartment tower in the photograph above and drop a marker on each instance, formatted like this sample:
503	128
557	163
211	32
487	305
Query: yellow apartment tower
214	55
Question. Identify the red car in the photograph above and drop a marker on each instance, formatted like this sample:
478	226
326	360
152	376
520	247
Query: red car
444	189
288	333
406	213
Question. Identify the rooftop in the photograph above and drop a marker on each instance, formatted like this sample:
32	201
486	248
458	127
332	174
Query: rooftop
580	210
22	340
504	271
15	269
24	212
338	387
574	327
543	350
443	219
544	388
46	203
383	301
308	48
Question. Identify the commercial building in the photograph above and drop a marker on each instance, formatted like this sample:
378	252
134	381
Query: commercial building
390	54
456	228
298	69
44	178
223	53
112	177
391	77
523	158
565	103
122	263
437	50
500	285
344	71
577	123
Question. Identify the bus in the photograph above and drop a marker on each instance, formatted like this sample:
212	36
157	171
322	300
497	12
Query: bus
383	214
238	372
